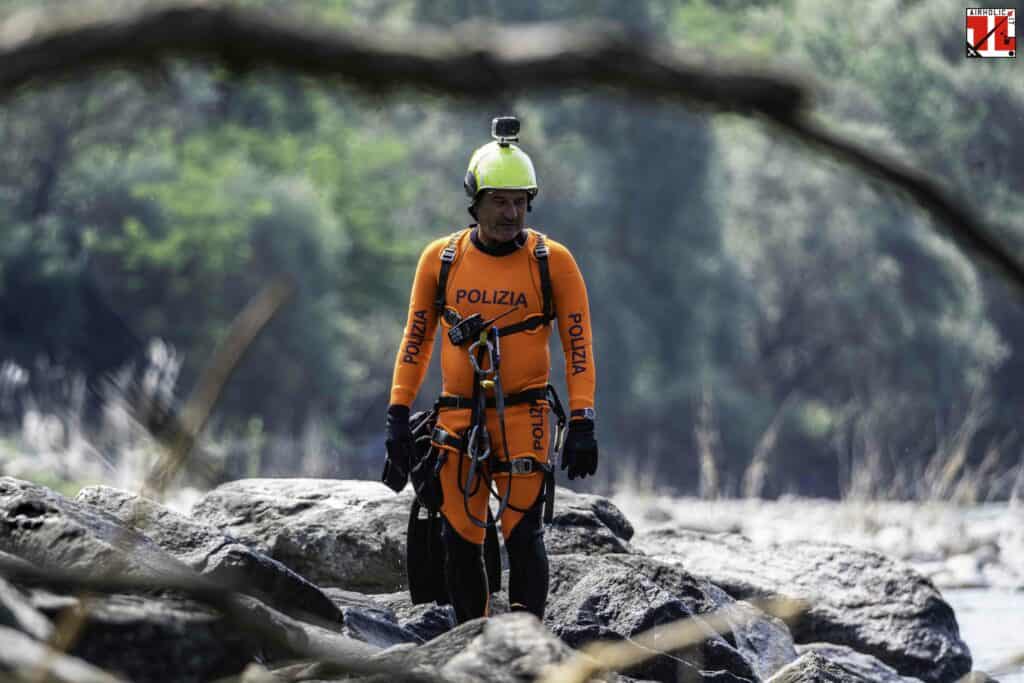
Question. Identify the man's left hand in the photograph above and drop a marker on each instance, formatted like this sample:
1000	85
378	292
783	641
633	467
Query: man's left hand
580	453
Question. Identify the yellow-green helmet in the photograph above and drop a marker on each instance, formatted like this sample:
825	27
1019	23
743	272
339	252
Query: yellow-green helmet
500	165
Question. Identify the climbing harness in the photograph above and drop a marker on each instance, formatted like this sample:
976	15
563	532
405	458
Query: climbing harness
476	449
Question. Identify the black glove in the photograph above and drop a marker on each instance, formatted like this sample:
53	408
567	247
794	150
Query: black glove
399	446
580	452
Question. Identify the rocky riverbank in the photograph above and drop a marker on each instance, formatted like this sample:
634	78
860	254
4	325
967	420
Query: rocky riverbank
955	546
304	580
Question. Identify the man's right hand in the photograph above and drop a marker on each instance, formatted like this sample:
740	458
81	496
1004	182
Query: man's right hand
399	447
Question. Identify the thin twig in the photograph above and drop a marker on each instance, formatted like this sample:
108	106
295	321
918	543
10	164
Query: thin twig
243	331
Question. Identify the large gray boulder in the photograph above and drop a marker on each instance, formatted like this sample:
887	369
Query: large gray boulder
586	524
351	534
346	534
217	556
28	659
857	598
52	532
508	648
613	597
156	639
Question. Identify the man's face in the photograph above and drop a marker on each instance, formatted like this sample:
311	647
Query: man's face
501	214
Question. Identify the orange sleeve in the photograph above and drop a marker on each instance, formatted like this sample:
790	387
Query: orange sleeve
573	311
417	345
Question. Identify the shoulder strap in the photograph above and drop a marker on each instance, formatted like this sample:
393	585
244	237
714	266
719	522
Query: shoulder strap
540	250
448	255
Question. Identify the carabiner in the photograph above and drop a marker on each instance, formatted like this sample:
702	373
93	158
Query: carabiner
472	356
560	433
477	434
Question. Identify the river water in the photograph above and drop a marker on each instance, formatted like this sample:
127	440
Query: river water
992	624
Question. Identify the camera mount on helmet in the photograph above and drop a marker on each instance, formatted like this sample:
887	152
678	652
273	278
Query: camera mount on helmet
505	129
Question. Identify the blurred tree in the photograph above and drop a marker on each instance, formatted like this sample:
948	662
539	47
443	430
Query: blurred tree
762	311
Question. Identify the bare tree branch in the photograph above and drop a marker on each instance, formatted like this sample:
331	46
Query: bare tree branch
477	60
474	60
966	229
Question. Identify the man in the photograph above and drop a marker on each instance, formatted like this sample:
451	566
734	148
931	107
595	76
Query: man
496	267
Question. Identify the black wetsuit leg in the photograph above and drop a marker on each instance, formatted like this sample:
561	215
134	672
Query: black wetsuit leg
464	575
528	562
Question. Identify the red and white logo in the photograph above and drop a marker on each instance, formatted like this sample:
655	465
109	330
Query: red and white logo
991	32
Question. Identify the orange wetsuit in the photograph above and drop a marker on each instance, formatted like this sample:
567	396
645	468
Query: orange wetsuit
491	284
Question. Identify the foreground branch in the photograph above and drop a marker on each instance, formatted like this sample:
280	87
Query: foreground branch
474	60
303	640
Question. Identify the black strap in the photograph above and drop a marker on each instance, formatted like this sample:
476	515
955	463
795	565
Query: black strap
448	255
524	465
477	419
535	395
524	325
443	437
540	250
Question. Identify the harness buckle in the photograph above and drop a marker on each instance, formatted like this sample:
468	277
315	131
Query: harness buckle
448	254
541	251
521	466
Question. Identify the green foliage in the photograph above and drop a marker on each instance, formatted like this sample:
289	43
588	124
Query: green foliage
823	319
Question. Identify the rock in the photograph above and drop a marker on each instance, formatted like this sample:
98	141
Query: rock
351	534
586	524
857	598
763	640
29	659
868	668
510	647
52	532
209	552
612	597
17	612
14	562
344	534
425	622
977	677
813	668
370	627
159	639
